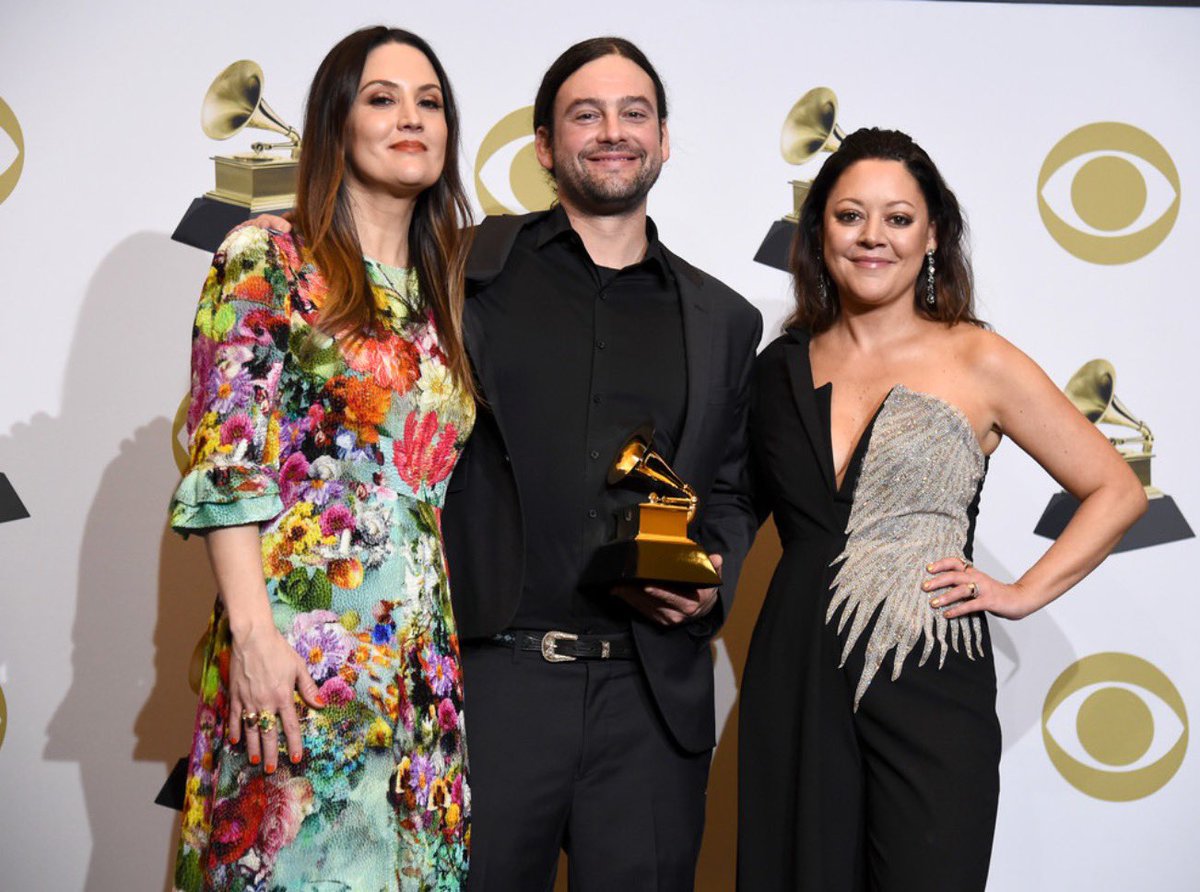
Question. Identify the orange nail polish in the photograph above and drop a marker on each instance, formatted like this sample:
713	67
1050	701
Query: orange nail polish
254	760
270	769
296	757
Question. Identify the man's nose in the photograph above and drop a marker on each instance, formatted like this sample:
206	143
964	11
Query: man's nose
610	127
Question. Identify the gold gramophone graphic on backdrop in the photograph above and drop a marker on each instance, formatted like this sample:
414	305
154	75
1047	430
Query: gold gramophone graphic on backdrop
247	183
809	129
1092	390
260	179
652	543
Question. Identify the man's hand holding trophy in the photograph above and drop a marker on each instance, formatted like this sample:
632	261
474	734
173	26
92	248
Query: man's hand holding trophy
653	565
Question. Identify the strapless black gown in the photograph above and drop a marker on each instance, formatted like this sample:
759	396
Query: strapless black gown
869	746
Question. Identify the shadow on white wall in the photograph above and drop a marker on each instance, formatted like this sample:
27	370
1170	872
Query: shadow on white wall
142	594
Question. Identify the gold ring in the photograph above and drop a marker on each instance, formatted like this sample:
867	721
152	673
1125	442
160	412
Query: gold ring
267	722
249	717
974	590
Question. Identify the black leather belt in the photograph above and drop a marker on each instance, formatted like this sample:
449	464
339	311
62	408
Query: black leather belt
566	647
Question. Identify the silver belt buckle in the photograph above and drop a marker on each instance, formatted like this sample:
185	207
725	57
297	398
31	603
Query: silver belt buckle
549	647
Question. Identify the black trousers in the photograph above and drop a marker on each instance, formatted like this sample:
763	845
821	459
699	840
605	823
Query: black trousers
575	756
898	796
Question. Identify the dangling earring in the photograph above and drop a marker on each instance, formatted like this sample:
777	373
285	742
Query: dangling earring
822	290
930	293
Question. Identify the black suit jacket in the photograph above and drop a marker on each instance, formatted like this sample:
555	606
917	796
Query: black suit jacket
482	522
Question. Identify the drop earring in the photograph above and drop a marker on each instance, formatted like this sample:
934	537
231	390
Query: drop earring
930	291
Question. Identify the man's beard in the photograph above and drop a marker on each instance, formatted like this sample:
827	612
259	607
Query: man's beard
604	195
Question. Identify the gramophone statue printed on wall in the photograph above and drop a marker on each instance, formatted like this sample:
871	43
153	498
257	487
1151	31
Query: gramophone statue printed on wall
1092	391
809	129
247	183
652	543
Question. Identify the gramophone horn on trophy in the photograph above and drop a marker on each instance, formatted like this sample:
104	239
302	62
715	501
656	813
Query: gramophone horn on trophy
1092	391
809	129
652	543
258	180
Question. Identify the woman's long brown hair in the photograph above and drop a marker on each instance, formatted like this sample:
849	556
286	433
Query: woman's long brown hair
438	238
817	307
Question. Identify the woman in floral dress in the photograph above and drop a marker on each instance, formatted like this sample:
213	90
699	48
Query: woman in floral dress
330	400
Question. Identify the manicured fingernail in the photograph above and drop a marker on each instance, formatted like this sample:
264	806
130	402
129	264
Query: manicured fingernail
296	757
926	585
929	568
270	769
233	739
254	760
320	701
936	602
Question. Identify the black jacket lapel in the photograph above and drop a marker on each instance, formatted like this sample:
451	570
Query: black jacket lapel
697	332
800	377
492	242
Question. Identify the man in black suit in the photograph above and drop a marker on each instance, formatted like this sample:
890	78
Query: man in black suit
590	705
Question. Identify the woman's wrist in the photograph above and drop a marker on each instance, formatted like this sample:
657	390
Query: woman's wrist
247	624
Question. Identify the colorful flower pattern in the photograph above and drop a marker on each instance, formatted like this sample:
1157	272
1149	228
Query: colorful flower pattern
341	453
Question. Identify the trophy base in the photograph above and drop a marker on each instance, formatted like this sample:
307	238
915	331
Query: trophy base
653	560
174	789
1163	522
256	205
207	221
11	507
775	247
260	182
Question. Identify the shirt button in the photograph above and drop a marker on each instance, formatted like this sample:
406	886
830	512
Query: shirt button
596	398
593	513
594	454
600	345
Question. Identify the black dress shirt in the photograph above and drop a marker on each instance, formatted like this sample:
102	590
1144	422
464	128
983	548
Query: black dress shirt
609	359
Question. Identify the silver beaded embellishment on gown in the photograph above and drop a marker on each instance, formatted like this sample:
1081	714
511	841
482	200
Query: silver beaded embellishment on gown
920	474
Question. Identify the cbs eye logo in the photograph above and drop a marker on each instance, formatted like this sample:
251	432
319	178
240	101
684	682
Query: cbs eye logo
1115	727
507	162
12	151
1108	193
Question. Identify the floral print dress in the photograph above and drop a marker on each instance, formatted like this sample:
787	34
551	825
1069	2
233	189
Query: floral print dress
341	454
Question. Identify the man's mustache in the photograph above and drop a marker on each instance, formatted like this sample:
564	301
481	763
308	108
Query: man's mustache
617	149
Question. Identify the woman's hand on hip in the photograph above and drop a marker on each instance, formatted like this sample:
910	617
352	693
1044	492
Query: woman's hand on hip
265	672
967	589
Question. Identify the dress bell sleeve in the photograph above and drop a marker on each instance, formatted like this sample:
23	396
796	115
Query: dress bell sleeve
239	345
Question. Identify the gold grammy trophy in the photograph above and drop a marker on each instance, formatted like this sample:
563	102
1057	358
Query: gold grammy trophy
809	129
1092	390
652	542
259	179
247	183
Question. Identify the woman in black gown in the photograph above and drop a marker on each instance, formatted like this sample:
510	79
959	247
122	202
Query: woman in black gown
869	744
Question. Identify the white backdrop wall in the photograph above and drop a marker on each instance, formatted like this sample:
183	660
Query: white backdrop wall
100	607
